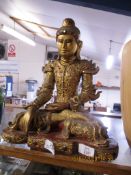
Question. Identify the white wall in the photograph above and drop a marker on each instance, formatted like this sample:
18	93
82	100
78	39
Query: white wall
30	61
108	78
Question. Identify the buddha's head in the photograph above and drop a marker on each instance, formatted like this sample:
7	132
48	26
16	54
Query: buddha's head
67	38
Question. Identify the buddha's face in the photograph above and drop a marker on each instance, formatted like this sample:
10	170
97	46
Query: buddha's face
67	45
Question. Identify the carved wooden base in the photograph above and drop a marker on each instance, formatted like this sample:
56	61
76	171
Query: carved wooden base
70	146
64	146
36	141
13	136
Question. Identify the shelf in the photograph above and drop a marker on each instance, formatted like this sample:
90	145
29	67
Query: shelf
108	87
108	114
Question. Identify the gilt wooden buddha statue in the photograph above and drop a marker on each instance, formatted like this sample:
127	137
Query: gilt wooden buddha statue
64	119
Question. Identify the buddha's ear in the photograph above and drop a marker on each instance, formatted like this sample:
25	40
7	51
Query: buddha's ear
80	43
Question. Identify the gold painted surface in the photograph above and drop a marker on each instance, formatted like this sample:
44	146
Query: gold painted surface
61	146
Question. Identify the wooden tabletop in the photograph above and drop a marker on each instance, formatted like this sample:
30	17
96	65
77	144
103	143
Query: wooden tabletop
13	105
75	162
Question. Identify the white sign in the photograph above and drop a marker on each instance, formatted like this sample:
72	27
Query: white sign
49	146
11	50
86	150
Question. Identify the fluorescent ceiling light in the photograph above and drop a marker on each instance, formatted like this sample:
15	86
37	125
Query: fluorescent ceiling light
109	61
17	35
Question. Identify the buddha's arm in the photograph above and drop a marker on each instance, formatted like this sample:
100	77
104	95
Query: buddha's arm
45	92
86	86
88	91
84	96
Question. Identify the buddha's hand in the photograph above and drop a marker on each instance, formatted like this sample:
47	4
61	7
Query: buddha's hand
74	103
28	120
30	107
54	107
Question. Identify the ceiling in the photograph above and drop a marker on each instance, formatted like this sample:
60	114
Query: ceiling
97	27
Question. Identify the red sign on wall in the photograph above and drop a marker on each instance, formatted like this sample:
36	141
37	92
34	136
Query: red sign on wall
11	50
